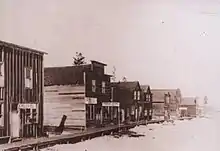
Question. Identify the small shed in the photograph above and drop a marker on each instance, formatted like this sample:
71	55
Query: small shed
188	105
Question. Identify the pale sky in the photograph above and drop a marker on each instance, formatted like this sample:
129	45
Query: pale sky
167	44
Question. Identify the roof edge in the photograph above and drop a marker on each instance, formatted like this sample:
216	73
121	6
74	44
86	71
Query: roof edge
94	61
10	44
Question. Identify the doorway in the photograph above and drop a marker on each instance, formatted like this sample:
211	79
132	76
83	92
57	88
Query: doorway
15	124
28	122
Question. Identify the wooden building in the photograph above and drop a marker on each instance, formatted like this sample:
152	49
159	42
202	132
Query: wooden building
188	107
77	92
21	91
128	94
171	106
146	101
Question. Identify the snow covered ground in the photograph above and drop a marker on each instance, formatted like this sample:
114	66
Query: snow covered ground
199	134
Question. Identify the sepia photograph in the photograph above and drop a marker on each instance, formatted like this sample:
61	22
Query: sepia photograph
109	75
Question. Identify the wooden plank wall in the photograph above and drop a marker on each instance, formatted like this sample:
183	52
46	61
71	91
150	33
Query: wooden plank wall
15	61
68	100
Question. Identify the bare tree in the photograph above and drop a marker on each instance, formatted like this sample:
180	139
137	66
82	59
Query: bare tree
114	74
79	59
206	100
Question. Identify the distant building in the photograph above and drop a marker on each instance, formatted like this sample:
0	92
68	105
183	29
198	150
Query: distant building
77	92
146	102
129	95
170	106
21	91
188	107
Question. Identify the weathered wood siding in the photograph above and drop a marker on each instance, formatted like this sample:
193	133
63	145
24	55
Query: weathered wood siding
16	59
64	100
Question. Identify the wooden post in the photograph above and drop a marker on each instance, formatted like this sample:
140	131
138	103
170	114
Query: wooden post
101	115
112	108
119	118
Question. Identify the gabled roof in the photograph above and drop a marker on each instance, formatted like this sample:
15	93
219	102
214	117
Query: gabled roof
188	101
66	75
123	91
130	85
144	88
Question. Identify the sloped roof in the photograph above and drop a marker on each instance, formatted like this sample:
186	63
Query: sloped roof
188	101
21	48
64	75
158	94
124	91
130	85
144	87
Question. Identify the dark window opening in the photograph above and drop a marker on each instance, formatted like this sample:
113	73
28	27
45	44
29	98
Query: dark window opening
1	68
1	110
14	107
1	93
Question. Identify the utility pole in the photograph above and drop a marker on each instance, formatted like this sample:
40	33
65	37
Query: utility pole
111	107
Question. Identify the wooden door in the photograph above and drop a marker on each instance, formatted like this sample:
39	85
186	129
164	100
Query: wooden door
15	124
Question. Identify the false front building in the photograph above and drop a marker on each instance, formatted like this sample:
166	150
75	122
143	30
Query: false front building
21	91
128	94
77	92
166	103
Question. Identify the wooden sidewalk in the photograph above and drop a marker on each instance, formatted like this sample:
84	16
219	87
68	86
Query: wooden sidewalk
39	143
43	142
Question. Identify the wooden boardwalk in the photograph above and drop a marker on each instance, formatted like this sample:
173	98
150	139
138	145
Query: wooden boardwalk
43	142
39	143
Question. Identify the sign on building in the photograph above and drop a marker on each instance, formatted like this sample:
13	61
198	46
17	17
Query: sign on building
89	100
116	104
27	106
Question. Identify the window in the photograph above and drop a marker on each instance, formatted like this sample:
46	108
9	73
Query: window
90	112
93	86
2	83
28	73
147	97
28	116
138	95
1	93
28	78
34	116
150	112
1	110
103	87
132	110
135	95
1	69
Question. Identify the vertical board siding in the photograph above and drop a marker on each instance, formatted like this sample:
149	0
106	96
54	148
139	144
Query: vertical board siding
15	61
61	100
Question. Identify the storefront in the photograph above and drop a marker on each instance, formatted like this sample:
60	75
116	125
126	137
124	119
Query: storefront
24	120
148	114
92	115
183	111
110	112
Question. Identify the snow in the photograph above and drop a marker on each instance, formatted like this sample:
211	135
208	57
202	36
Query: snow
199	134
